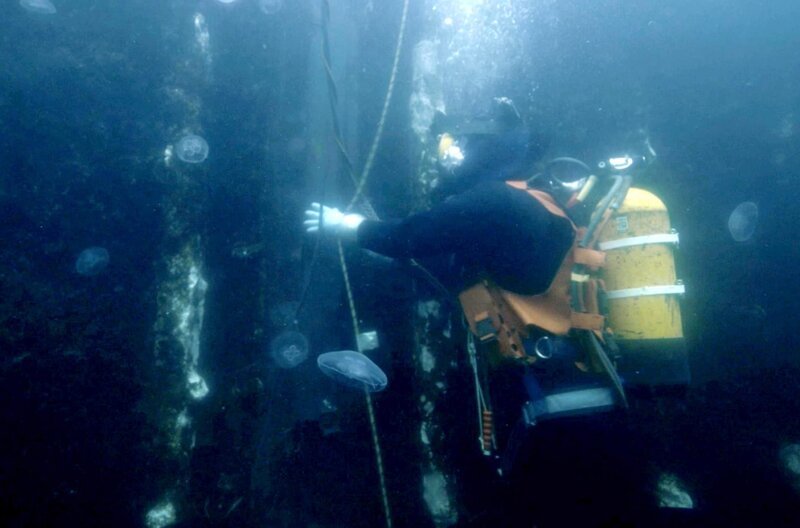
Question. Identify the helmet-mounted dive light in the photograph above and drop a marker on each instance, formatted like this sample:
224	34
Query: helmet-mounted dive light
450	152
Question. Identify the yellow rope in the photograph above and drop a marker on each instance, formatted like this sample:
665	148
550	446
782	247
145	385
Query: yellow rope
373	426
360	184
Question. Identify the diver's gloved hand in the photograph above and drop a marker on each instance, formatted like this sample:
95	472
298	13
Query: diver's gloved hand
342	225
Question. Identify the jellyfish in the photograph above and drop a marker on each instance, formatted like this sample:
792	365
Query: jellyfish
226	1
352	369
743	220
270	7
192	149
92	261
289	349
41	7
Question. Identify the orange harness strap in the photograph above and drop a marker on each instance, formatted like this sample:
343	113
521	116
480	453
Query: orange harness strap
587	321
591	258
496	313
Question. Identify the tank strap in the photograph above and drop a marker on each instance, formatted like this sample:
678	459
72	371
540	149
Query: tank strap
658	238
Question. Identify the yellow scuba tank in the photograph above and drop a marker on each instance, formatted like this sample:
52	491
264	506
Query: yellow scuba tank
642	291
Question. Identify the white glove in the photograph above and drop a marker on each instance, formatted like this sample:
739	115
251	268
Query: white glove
333	220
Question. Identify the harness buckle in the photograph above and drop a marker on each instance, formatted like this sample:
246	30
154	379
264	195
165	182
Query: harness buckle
484	328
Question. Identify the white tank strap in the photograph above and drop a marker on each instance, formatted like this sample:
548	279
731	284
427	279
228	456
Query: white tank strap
646	291
661	238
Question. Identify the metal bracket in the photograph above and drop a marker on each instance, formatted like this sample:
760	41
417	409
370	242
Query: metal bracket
485	330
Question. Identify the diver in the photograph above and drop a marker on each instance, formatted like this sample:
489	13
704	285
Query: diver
491	229
511	243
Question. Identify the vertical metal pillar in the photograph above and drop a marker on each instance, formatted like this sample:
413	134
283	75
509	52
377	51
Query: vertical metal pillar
175	379
433	346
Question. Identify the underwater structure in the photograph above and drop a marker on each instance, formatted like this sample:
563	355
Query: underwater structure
176	351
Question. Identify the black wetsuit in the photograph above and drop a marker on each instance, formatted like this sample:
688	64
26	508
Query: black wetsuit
570	471
492	231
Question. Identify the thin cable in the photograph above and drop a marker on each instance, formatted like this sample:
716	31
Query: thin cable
473	362
360	184
386	101
333	101
373	426
309	274
359	188
333	93
480	397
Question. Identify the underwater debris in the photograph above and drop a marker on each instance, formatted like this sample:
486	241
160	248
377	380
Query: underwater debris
242	251
368	341
92	261
352	369
40	7
192	149
742	221
289	349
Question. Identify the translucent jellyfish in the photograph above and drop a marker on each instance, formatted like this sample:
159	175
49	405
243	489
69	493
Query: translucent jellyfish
192	149
41	7
270	7
352	369
92	261
289	349
226	1
743	221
